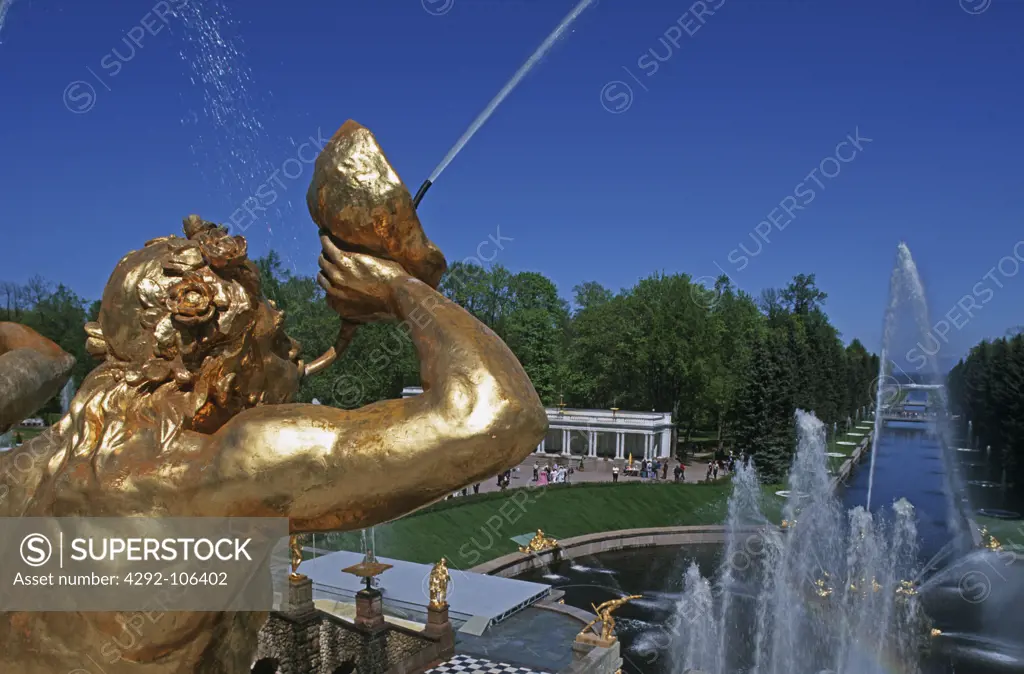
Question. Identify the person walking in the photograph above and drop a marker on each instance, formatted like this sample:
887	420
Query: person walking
476	488
615	473
664	471
536	470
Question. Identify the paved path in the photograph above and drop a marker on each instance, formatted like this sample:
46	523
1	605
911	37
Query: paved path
523	477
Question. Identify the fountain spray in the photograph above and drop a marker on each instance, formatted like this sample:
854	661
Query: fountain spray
5	6
524	69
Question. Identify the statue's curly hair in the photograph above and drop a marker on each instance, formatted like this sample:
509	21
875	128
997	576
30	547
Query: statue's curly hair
174	327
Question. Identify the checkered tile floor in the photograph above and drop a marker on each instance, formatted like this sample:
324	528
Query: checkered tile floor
465	663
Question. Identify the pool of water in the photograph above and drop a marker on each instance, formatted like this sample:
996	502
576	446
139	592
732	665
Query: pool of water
908	464
655	573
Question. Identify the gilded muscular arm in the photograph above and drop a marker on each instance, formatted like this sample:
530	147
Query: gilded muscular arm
32	370
327	468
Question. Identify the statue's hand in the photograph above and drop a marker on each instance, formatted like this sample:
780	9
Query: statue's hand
358	286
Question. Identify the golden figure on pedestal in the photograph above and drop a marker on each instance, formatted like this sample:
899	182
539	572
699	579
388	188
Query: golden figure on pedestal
604	616
539	543
439	579
989	541
191	413
295	548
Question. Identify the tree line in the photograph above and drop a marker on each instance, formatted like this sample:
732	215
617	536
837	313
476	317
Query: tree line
723	362
987	389
726	364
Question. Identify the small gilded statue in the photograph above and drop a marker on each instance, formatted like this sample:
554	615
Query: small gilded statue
295	547
439	579
539	543
604	616
989	541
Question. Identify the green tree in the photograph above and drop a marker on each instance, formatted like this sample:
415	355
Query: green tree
764	424
590	294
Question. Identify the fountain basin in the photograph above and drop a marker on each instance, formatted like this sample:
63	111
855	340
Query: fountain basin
998	514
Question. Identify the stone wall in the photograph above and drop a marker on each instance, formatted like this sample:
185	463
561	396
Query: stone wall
516	563
320	643
294	644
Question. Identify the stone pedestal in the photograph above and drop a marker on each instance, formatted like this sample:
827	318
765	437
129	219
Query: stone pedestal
590	640
593	655
438	623
584	644
370	610
299	600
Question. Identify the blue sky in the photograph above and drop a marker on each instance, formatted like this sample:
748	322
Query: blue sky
101	150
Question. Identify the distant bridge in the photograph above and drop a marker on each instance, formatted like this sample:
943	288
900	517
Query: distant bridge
930	387
922	419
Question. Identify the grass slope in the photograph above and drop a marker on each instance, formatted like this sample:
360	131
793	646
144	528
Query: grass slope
474	529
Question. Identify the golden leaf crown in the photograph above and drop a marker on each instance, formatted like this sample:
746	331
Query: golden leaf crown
168	306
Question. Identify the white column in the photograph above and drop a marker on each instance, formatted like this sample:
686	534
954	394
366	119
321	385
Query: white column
592	444
649	445
540	447
666	443
565	441
620	445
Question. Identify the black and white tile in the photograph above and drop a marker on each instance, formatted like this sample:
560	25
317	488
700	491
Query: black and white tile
461	664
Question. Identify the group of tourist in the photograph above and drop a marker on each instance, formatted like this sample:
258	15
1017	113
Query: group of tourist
651	469
717	466
557	474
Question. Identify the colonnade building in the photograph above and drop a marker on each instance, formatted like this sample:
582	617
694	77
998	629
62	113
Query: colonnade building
602	434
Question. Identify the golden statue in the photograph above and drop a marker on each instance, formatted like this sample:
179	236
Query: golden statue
190	413
439	579
989	541
604	616
295	548
539	543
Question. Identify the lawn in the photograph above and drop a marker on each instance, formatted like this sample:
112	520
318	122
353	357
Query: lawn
474	529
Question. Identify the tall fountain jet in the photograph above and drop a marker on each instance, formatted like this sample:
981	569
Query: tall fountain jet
5	6
907	298
827	593
67	394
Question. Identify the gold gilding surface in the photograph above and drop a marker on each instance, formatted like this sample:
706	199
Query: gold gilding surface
32	371
439	579
357	196
190	413
604	616
539	543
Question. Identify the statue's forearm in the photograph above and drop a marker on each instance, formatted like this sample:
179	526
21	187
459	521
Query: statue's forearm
459	355
28	379
331	469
